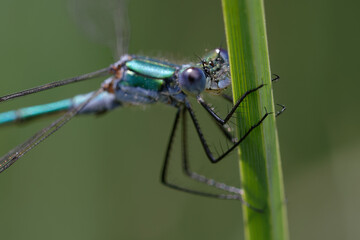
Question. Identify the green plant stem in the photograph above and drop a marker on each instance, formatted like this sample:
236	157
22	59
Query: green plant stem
260	165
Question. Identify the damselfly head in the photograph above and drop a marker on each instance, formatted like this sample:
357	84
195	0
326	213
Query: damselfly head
215	65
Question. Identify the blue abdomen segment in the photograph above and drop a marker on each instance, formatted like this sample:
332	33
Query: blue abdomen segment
34	111
103	102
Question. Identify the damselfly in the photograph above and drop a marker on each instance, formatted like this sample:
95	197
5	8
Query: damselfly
138	80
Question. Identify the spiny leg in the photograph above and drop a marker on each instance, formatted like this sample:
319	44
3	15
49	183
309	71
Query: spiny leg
226	132
164	172
230	98
222	128
283	108
204	143
233	109
276	78
208	181
227	97
278	113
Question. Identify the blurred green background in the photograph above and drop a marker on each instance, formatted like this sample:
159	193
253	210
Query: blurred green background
98	178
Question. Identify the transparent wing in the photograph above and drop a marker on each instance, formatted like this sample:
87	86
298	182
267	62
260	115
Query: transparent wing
47	86
11	157
105	21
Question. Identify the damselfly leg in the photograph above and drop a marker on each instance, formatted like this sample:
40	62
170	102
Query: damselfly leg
274	79
181	112
233	193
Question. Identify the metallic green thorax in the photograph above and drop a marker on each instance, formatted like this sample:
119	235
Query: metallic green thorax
147	73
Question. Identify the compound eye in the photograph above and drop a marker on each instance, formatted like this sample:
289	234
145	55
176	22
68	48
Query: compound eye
222	53
192	80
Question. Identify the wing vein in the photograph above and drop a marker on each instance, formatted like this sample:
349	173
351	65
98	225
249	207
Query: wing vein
12	156
101	72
